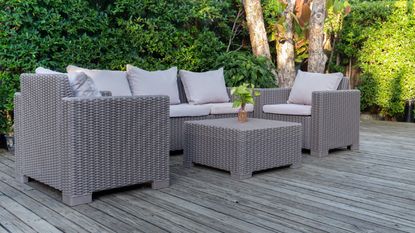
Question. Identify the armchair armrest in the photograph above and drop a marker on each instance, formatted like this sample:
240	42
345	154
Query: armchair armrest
113	142
335	119
270	96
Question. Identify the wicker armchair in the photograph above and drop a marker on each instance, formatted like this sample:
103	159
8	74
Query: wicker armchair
83	145
334	120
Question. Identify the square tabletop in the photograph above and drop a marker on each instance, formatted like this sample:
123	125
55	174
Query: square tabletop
251	124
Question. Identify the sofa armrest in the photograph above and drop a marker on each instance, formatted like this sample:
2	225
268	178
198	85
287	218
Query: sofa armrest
270	96
335	119
113	142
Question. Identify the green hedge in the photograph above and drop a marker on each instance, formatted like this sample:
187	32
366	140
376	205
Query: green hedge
387	60
152	34
378	36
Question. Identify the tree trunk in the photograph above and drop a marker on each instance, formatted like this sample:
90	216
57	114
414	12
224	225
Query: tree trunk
256	27
285	50
317	59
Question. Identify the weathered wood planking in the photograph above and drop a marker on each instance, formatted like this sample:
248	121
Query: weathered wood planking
371	190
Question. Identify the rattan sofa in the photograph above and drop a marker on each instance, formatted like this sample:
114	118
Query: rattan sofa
82	145
334	120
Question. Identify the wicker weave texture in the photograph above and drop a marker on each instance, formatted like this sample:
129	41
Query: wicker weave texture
334	121
177	125
242	148
83	145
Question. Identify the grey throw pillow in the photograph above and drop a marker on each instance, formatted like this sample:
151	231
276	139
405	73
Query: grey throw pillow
82	85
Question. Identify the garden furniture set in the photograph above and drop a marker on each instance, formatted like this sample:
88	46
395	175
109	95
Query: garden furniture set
90	130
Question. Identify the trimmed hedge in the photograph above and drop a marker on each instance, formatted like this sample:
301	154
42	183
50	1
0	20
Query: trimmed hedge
105	34
378	36
387	60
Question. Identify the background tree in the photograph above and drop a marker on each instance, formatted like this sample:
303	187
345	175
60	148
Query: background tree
256	27
285	47
316	58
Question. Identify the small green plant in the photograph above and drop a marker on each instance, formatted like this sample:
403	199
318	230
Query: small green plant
244	94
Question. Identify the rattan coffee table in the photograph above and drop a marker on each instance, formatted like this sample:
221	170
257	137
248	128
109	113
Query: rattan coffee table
242	148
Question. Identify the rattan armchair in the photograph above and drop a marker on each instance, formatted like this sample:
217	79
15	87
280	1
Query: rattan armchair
334	121
83	145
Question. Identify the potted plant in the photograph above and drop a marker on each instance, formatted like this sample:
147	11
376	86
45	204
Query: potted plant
244	94
7	129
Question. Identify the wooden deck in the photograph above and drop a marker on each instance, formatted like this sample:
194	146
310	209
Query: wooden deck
372	190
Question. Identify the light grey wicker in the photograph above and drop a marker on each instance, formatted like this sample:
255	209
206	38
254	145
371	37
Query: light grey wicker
83	145
334	120
242	148
176	123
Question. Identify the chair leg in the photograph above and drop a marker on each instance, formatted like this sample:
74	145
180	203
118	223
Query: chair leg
353	147
71	200
321	153
160	184
22	178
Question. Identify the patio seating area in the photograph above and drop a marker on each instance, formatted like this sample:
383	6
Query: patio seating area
367	190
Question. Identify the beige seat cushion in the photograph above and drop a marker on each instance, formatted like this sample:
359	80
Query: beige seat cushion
306	83
288	109
106	80
160	82
226	108
189	110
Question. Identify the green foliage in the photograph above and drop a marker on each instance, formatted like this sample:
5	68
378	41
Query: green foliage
241	67
7	90
364	17
275	21
109	34
244	94
158	34
387	60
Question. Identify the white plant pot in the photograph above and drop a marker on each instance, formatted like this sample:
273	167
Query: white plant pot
10	143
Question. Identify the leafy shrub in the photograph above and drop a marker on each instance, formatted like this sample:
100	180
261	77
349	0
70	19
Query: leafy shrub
358	25
109	34
243	67
387	60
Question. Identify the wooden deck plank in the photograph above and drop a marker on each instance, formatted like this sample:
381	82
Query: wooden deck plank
31	219
297	204
54	218
370	190
163	217
3	230
56	205
288	221
12	223
232	208
124	217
